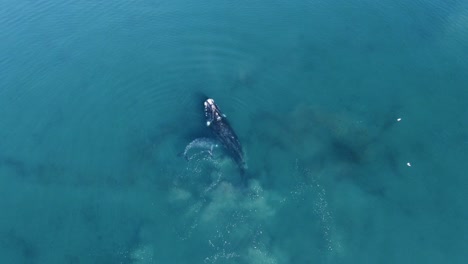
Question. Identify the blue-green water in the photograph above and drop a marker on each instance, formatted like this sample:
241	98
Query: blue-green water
98	98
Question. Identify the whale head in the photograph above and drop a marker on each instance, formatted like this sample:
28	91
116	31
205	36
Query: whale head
212	112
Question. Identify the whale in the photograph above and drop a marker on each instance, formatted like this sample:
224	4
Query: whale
219	126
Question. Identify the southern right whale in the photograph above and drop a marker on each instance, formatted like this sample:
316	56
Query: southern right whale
220	127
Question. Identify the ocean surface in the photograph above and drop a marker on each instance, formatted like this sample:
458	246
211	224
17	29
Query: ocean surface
352	114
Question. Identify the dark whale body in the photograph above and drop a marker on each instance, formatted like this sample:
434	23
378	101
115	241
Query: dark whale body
220	127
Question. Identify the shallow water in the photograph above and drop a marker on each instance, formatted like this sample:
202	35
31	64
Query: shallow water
99	98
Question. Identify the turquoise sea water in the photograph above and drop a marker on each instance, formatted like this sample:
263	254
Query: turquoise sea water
98	98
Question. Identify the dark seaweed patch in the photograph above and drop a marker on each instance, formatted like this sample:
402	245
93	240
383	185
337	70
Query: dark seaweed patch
44	173
12	241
